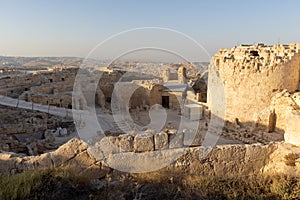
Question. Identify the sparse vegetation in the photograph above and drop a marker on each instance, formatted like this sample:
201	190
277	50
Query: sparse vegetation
46	184
63	184
245	187
290	159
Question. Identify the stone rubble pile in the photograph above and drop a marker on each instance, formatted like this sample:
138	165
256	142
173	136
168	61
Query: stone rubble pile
30	132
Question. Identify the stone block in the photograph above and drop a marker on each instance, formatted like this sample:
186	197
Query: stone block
176	140
80	162
125	142
193	111
107	145
143	142
151	131
292	133
44	160
161	140
171	131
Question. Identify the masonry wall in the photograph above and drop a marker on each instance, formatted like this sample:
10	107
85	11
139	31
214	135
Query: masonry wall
249	85
15	86
220	161
292	134
155	94
174	98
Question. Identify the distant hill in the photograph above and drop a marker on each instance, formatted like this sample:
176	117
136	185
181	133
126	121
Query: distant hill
11	61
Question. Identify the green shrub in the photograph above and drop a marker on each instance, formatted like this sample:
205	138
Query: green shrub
19	186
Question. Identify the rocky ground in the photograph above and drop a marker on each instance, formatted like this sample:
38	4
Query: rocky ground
227	172
31	132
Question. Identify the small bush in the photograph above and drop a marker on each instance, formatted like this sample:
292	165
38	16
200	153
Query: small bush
290	159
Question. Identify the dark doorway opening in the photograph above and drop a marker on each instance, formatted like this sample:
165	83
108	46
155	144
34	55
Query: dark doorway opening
165	101
108	99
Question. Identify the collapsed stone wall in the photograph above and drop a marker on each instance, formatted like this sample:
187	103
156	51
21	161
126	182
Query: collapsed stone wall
224	161
19	121
137	94
74	153
95	87
168	75
281	116
58	94
17	85
251	74
56	88
138	90
283	104
130	95
26	132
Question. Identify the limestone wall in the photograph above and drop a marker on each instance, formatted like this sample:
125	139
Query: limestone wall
227	160
17	85
175	98
59	100
283	104
58	94
155	94
74	154
142	94
250	76
292	134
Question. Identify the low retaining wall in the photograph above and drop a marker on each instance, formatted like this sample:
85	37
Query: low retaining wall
226	160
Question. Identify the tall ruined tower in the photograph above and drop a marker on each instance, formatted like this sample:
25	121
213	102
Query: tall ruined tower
250	75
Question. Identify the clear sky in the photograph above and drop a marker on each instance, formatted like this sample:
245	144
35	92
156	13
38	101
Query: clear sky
73	28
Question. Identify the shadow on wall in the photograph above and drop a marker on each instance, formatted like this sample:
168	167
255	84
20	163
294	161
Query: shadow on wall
248	132
222	161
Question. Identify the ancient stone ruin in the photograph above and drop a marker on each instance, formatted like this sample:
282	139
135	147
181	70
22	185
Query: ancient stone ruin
257	88
260	84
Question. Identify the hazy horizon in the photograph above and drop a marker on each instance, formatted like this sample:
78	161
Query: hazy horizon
72	29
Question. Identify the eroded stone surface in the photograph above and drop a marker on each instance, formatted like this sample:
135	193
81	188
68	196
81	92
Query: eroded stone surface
161	140
226	160
251	74
125	142
292	134
143	142
176	140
